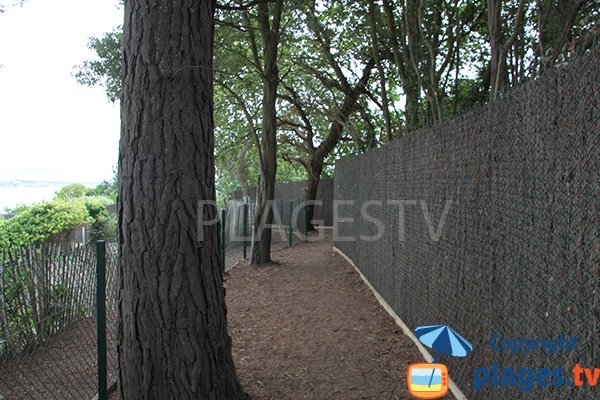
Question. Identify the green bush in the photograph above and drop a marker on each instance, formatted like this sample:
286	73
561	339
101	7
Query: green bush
105	189
104	225
39	222
72	191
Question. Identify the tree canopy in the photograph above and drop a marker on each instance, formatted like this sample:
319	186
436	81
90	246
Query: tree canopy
299	84
425	60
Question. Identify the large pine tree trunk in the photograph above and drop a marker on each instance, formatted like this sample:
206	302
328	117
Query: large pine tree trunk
172	333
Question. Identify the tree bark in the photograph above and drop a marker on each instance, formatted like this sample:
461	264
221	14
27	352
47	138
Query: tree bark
411	91
310	191
497	75
240	170
172	331
423	38
261	233
401	55
385	104
555	24
333	137
499	48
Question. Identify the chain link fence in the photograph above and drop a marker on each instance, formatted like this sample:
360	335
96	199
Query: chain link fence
48	322
322	214
48	326
289	227
490	224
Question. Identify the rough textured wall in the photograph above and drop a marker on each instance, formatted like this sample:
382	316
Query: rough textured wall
295	191
519	252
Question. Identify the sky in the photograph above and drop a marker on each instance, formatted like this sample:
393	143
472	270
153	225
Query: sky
52	128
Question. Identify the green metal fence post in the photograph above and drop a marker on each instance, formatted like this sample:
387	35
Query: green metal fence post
101	317
245	227
291	227
305	222
281	212
223	240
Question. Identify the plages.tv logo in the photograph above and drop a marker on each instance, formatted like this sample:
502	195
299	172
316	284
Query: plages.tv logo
430	380
527	379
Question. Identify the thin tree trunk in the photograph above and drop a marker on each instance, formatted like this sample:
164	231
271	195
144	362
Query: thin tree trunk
499	49
310	191
401	54
339	122
240	171
172	331
242	178
411	90
382	81
495	32
261	233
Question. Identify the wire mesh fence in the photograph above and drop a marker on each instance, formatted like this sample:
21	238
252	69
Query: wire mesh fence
516	258
48	322
289	227
48	326
322	213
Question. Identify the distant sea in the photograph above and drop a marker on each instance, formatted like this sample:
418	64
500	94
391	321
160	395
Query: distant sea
13	193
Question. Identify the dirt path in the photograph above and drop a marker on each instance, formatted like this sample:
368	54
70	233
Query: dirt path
309	328
305	328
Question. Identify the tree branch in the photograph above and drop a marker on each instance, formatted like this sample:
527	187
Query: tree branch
567	28
516	28
237	98
242	7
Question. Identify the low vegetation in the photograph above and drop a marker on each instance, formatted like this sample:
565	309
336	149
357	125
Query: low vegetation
74	205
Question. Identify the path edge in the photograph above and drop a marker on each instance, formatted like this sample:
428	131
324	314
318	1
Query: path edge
428	357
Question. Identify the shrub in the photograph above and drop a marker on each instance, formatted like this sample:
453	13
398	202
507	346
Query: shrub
72	191
40	221
104	225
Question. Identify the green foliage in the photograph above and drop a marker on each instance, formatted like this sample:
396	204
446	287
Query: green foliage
105	189
37	223
71	192
450	51
225	187
19	314
290	172
73	205
104	225
106	69
12	211
40	221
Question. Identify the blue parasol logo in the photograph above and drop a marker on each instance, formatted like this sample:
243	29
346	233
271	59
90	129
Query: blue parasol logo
430	381
444	340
